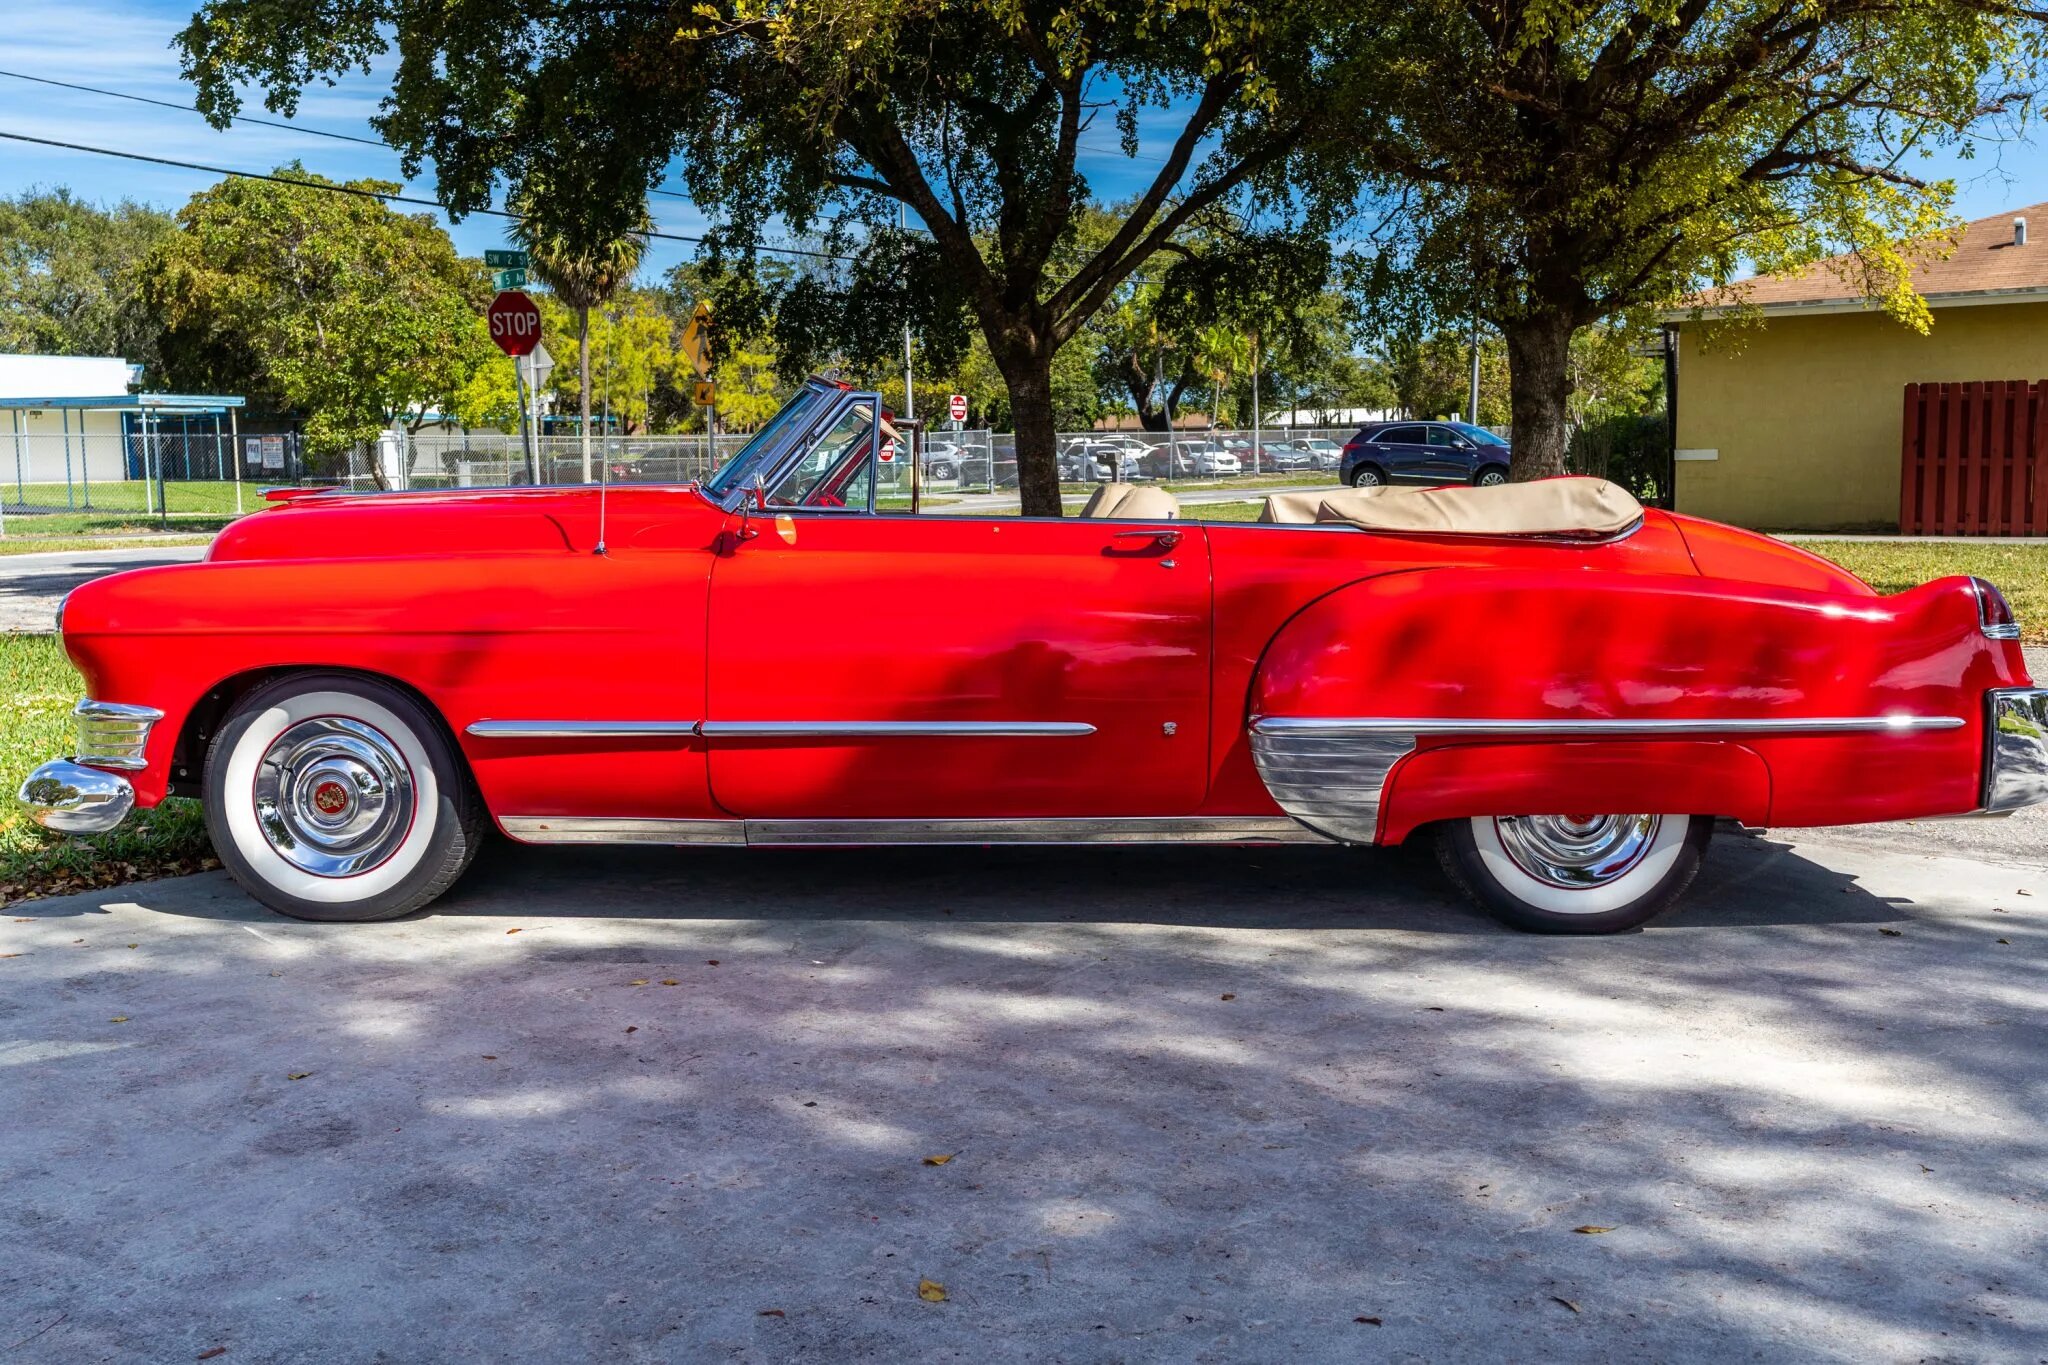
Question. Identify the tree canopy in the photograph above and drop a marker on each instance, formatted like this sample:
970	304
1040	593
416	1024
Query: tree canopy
824	118
323	304
69	274
1556	163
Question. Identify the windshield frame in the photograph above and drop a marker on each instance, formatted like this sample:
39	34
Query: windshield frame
764	450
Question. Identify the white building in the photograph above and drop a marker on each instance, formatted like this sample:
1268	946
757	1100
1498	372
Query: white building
72	421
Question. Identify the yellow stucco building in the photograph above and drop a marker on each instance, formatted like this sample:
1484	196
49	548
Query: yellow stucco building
1796	424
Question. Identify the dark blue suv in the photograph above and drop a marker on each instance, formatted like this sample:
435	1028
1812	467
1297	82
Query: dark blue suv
1423	452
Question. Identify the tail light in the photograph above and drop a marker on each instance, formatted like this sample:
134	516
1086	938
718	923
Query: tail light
1994	613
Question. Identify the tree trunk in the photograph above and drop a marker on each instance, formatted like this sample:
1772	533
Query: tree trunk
1539	381
583	380
1028	373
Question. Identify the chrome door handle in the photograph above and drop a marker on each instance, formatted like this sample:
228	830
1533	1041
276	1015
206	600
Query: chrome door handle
1164	539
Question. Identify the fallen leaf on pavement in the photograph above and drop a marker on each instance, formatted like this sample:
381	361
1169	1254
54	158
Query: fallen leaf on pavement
490	1056
2006	941
1230	996
209	1355
1370	1322
1566	1302
18	954
771	1313
118	1019
938	1160
1891	933
931	1291
1592	1229
711	962
511	931
670	981
296	1075
636	983
632	1028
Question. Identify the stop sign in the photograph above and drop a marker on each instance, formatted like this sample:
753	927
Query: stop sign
515	323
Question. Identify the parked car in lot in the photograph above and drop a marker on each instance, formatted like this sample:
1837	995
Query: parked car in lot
1321	451
1204	459
942	461
1424	452
1560	688
1101	462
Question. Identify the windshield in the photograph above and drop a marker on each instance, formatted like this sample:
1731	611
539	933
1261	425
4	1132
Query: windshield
759	453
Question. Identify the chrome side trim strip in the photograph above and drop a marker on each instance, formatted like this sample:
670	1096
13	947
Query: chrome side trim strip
893	729
584	829
1330	772
580	729
572	829
1572	728
1253	829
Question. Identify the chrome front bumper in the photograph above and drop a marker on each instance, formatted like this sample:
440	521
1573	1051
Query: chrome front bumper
73	799
2016	748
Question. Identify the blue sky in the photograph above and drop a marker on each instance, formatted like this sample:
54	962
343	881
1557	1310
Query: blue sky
125	45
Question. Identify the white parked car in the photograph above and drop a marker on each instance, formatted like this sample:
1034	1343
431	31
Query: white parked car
1205	458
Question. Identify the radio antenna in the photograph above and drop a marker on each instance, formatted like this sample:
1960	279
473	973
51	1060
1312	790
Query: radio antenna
603	468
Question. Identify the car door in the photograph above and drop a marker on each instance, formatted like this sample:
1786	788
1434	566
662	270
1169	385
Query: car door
1403	452
1449	458
943	668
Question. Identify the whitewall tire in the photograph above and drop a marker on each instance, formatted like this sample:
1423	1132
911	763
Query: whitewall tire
335	797
1575	874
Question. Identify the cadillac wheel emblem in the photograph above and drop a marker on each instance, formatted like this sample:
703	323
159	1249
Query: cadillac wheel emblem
331	798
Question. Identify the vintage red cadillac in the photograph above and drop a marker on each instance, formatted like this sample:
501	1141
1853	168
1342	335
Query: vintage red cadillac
1562	688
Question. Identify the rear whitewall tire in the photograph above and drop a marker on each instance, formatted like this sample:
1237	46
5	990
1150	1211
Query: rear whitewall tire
1496	870
432	822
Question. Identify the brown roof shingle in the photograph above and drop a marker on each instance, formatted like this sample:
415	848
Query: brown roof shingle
1985	260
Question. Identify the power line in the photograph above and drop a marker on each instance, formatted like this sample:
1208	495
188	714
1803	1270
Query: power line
238	118
365	194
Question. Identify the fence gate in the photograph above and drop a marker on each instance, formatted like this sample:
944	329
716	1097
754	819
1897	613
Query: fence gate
1971	459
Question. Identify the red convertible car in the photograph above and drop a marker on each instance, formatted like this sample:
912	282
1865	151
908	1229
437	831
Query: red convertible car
1562	688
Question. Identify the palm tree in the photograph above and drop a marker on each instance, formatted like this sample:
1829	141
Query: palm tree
583	274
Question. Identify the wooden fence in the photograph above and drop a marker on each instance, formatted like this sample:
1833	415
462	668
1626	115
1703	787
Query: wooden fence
1972	457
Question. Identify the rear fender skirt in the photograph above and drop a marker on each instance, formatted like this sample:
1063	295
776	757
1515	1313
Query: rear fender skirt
1594	777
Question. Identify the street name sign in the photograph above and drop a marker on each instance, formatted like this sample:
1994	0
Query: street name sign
505	260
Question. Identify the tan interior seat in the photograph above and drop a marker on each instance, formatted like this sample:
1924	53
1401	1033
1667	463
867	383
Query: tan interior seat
1132	502
1548	507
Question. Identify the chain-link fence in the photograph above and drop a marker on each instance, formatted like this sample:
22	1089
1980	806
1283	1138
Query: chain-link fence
125	474
168	474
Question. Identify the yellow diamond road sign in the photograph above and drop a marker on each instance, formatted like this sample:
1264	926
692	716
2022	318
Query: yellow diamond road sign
696	339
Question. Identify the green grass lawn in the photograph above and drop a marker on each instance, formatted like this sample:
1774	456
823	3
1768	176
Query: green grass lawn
198	497
38	688
35	545
2020	571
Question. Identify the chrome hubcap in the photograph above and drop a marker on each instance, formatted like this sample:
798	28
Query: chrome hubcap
1577	851
333	796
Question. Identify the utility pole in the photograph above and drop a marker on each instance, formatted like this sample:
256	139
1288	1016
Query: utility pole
909	400
1472	412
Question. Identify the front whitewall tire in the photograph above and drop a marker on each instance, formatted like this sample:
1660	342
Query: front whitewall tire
430	820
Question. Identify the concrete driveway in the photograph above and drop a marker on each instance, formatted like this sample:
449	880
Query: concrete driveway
1197	1105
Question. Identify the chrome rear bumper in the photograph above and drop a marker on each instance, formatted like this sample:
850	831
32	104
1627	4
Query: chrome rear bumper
2016	748
73	799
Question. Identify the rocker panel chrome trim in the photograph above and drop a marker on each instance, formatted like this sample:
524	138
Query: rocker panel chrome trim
585	829
571	829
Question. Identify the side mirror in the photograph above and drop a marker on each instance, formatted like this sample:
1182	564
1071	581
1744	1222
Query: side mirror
756	500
